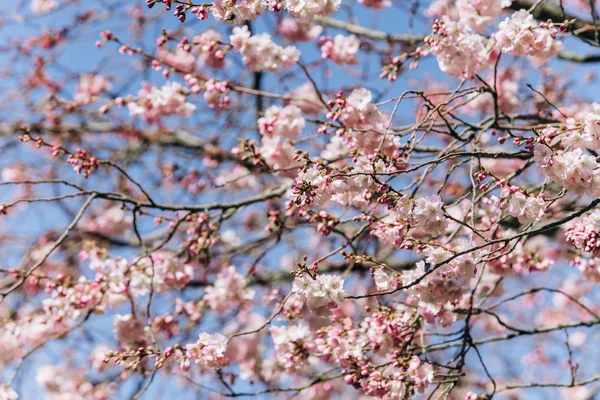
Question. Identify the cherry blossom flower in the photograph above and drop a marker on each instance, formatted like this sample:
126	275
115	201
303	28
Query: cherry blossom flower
8	393
322	294
309	9
459	53
208	351
521	36
129	330
260	53
292	346
340	49
239	11
229	291
297	30
429	214
40	7
154	103
91	86
376	4
287	122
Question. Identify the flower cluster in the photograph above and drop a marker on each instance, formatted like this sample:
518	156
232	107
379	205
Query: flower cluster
520	35
309	9
429	214
293	346
71	383
376	4
154	103
90	86
8	393
477	14
210	49
229	291
208	352
340	49
573	169
322	293
535	255
584	133
216	94
459	52
84	162
40	7
237	11
129	331
584	233
378	336
297	30
286	122
169	272
444	286
519	205
260	53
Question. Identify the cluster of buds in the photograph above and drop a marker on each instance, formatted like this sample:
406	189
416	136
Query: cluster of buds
529	143
480	176
336	106
202	233
216	94
151	3
553	28
200	12
106	36
275	221
305	193
393	68
81	160
275	5
439	27
166	324
326	222
247	150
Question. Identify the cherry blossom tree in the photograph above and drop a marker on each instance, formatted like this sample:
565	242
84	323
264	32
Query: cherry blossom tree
310	199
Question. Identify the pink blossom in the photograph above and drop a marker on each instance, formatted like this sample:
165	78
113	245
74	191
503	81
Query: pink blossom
296	30
306	98
154	103
229	291
376	4
91	86
40	7
521	36
260	53
383	280
287	122
208	351
7	393
179	59
574	170
278	153
476	14
236	12
429	214
525	208
309	9
340	49
292	346
216	94
129	330
208	46
459	53
322	294
422	373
